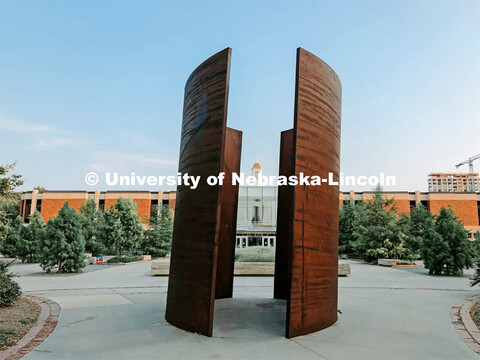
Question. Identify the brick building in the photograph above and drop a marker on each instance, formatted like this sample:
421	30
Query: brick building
465	205
49	203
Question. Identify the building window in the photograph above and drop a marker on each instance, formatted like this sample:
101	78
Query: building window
425	204
154	210
28	207
101	204
412	204
39	205
478	211
165	202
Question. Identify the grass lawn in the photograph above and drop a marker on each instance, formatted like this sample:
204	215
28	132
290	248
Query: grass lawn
16	320
255	254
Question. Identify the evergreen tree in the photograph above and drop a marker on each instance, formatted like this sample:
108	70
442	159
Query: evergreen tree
121	227
378	234
9	207
157	239
4	228
476	247
14	233
62	243
126	212
110	230
9	210
30	237
350	215
420	218
90	224
434	249
450	251
411	243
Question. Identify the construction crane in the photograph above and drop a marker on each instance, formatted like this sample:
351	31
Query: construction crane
470	161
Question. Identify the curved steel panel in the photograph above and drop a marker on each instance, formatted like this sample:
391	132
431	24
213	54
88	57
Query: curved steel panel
228	216
191	286
313	272
285	208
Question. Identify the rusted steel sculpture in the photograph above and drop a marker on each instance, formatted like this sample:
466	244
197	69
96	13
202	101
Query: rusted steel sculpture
307	230
205	218
203	247
228	216
285	213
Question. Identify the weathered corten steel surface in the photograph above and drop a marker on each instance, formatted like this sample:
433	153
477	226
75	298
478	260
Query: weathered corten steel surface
193	264
285	205
228	216
313	276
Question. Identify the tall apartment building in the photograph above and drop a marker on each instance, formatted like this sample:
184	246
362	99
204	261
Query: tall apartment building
453	182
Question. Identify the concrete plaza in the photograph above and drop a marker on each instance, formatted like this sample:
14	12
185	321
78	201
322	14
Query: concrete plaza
117	312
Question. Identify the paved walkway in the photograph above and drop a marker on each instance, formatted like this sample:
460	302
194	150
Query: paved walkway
118	313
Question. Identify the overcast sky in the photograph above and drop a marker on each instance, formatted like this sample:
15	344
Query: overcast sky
98	86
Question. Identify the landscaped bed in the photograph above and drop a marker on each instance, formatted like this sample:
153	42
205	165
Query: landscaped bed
16	320
475	314
255	254
122	260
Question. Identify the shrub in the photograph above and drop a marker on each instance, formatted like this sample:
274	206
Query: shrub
405	262
62	243
255	254
9	289
123	259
